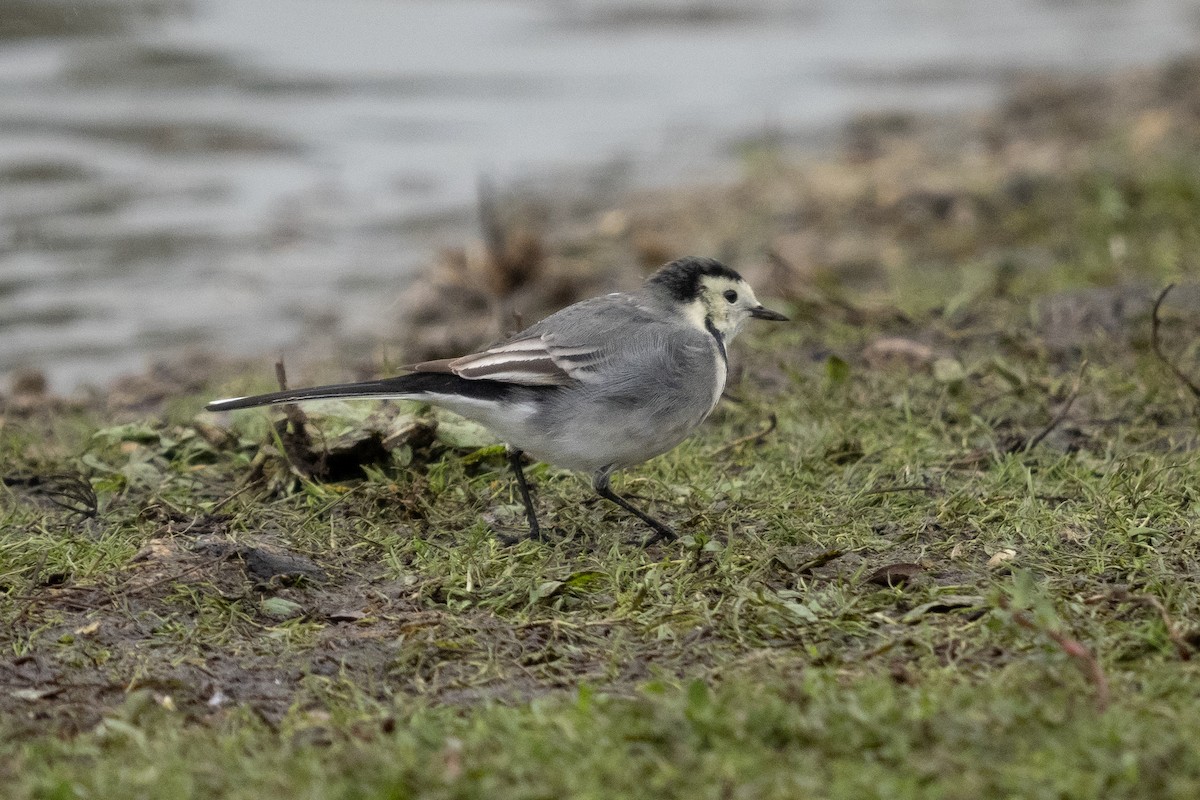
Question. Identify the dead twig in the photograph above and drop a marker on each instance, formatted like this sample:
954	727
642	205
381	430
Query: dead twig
113	594
514	250
495	237
293	434
1010	443
1156	345
928	488
754	438
230	497
295	414
1080	653
123	592
1062	412
854	314
1181	644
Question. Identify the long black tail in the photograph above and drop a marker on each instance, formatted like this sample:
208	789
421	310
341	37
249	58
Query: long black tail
414	386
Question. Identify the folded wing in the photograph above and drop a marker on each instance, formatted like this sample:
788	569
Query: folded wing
532	361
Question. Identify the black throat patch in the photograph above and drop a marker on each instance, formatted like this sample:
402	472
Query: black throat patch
716	334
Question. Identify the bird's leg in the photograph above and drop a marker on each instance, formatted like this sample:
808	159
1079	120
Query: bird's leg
600	482
514	461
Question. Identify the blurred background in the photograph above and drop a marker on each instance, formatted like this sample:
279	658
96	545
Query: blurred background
253	177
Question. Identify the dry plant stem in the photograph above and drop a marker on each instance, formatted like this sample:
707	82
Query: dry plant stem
754	438
230	497
122	592
119	592
297	444
1083	657
819	560
1156	345
1181	645
928	488
853	313
494	236
294	414
1062	412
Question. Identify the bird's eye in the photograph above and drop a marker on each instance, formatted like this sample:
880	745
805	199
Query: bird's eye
731	295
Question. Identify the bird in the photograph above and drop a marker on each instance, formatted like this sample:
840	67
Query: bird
600	386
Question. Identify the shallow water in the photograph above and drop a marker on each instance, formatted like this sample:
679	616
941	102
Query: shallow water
262	176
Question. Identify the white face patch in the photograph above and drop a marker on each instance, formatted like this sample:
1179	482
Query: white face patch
696	313
726	302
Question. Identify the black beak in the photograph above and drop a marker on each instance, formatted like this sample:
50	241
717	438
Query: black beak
760	312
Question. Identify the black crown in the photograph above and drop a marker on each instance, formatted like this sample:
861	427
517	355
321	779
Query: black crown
682	276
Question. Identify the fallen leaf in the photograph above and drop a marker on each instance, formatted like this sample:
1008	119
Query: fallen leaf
89	629
546	590
265	563
948	370
1001	557
281	608
1074	535
896	574
576	583
799	611
943	605
808	565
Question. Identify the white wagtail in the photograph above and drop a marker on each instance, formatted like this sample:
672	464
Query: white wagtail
601	385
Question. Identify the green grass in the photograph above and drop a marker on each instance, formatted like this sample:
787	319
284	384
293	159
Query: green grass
1041	646
1021	733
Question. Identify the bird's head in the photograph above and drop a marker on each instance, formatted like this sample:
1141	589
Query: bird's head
710	294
